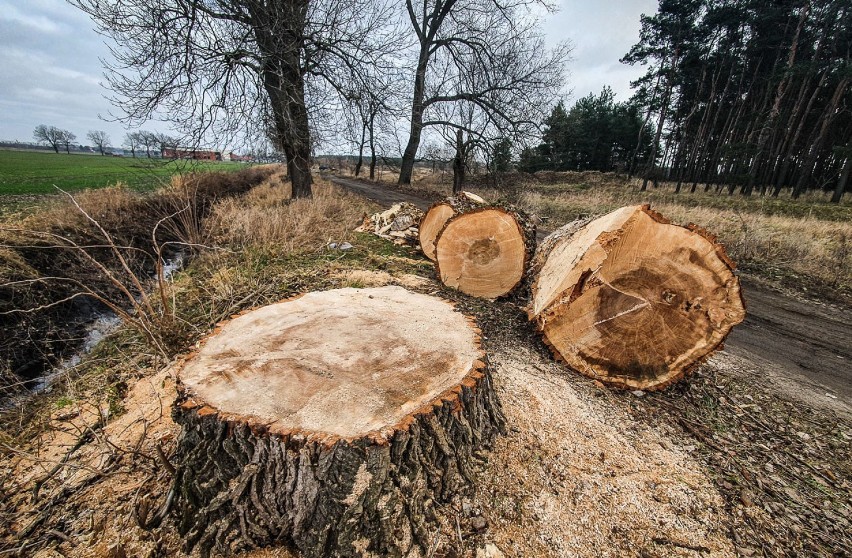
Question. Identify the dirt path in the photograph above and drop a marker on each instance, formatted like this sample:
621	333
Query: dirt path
804	348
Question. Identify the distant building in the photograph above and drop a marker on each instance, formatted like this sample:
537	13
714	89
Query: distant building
231	156
197	154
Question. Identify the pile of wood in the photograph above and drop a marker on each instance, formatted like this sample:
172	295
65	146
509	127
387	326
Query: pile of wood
311	421
629	299
399	224
483	250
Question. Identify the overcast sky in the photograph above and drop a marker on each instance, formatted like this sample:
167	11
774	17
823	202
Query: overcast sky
50	69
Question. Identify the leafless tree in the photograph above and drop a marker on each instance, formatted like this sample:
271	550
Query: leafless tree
227	66
54	137
148	140
99	139
489	53
133	140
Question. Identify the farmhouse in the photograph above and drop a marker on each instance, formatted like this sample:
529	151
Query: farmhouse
201	155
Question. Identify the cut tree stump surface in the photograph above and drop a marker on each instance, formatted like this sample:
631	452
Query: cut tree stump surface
340	363
633	300
484	252
332	423
437	216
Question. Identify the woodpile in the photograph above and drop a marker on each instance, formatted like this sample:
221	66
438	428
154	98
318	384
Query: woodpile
312	423
399	224
482	250
633	300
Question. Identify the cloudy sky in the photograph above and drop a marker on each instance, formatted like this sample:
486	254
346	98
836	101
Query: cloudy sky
50	69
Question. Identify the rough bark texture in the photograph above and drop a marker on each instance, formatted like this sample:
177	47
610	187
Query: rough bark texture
485	252
247	481
633	300
437	216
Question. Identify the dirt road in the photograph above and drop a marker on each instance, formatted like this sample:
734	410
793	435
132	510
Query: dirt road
803	347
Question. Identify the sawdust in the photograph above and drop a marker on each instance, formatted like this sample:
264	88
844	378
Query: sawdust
576	477
367	278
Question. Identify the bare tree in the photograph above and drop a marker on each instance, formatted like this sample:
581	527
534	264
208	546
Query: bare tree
221	68
164	142
99	139
133	140
54	137
148	140
496	40
67	138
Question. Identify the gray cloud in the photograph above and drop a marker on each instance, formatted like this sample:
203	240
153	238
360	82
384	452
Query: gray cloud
50	71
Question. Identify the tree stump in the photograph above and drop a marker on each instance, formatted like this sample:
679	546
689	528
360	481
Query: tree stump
331	423
485	252
437	216
633	300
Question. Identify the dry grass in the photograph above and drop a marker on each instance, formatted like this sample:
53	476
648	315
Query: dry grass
805	243
804	248
265	218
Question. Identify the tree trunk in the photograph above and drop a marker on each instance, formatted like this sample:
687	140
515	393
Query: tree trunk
458	163
826	121
407	165
842	180
632	300
284	83
290	436
769	123
372	146
485	252
361	151
437	216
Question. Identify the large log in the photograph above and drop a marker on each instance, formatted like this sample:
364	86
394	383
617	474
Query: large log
485	251
633	300
331	423
437	216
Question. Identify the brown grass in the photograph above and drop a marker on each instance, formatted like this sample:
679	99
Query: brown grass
266	218
803	243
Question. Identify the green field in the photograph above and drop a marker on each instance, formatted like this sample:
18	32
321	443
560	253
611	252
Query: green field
34	172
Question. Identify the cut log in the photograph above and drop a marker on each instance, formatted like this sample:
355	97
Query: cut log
437	216
485	252
312	423
633	300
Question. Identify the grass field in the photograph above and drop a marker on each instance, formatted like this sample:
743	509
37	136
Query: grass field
34	172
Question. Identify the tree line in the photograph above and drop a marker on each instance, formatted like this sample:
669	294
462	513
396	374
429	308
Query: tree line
750	95
473	72
138	141
741	94
746	95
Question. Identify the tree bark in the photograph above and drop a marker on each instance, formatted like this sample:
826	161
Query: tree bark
284	82
301	470
842	180
632	300
458	163
407	165
361	151
437	216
